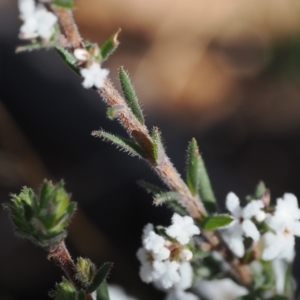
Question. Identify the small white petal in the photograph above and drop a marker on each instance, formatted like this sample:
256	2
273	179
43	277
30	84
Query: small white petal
224	289
166	272
186	255
180	295
296	228
260	216
93	76
183	228
272	246
26	8
252	208
186	277
250	230
232	202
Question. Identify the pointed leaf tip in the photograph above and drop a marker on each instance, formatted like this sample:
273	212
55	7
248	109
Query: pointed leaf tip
100	276
197	177
110	45
130	96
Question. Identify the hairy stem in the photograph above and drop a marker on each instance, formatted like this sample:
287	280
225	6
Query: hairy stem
62	258
164	167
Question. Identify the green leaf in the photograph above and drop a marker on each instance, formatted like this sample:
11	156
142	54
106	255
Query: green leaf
260	190
192	167
130	96
68	57
205	189
167	196
110	45
157	145
151	188
36	46
64	3
63	291
102	291
216	222
113	111
197	178
100	276
177	207
125	144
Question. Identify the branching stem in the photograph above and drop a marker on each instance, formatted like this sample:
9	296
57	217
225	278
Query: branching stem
163	167
62	258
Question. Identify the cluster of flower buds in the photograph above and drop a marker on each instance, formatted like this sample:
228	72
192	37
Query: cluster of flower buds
165	257
42	218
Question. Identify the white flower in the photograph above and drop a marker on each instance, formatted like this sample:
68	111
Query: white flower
37	20
285	225
186	276
224	289
117	293
242	224
183	228
146	270
155	244
94	75
180	295
186	255
166	272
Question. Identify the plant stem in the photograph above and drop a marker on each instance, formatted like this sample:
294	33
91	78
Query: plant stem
164	167
62	258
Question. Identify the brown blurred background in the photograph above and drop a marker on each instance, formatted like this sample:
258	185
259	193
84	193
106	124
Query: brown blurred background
225	72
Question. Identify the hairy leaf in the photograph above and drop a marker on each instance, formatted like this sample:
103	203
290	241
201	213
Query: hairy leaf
110	45
167	196
100	276
130	96
125	144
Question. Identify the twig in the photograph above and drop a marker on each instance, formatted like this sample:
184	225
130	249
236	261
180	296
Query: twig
62	258
164	167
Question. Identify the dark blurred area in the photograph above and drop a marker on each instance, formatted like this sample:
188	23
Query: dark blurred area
227	73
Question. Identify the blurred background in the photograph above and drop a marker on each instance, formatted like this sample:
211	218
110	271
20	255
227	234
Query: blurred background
224	72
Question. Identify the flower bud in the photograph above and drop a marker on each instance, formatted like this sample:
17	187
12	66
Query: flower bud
81	54
186	255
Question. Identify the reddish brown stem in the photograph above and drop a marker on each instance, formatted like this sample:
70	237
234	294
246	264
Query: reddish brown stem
62	258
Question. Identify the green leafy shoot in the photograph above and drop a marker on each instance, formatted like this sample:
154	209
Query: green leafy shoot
130	96
165	197
216	222
127	145
100	276
68	57
66	291
42	218
110	45
64	3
